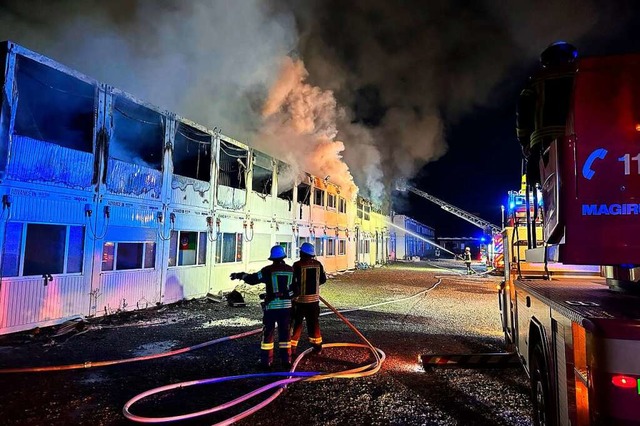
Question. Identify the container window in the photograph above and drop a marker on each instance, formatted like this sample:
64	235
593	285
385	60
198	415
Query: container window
331	247
108	252
342	205
286	181
286	245
54	107
318	197
301	240
319	247
187	248
331	201
192	153
173	248
233	165
229	248
12	244
138	134
304	192
129	256
342	247
202	249
149	255
44	249
76	249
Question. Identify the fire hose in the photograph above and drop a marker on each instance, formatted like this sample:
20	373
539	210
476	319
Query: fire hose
291	376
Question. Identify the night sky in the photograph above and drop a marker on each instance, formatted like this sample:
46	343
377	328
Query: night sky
413	89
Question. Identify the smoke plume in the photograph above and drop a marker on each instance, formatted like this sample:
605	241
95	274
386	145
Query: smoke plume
374	82
300	125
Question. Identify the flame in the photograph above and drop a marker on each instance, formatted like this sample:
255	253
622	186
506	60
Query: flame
299	125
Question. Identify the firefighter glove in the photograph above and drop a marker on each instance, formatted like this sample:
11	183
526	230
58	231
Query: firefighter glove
237	275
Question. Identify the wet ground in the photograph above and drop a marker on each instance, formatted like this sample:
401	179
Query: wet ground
459	314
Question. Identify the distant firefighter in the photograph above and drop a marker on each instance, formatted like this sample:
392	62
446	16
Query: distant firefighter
308	275
278	278
467	259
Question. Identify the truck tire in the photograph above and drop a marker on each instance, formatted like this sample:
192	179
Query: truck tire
540	389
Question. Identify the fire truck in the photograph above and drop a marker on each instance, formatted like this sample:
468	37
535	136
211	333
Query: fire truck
570	304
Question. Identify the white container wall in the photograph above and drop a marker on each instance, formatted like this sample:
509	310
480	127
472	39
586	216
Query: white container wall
116	205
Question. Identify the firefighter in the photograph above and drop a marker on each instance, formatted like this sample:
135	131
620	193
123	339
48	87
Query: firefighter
467	259
278	278
308	275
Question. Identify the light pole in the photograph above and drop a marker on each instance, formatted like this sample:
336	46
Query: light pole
502	211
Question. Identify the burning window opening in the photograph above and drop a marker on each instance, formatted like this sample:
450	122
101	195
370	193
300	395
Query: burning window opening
138	134
304	192
192	153
262	176
233	165
54	107
286	181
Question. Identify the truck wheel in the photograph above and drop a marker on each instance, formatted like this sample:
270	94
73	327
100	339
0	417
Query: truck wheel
542	415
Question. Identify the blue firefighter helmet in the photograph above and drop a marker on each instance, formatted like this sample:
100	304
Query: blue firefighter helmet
308	249
277	253
558	53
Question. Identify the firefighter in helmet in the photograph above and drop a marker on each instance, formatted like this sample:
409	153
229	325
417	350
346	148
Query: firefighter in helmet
308	275
278	278
467	259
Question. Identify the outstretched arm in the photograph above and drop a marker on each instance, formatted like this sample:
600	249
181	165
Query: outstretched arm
250	279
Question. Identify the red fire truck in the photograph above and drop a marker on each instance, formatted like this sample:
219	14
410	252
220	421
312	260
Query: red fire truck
575	327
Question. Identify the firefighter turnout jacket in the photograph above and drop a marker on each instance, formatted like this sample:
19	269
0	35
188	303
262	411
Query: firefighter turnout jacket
278	278
308	276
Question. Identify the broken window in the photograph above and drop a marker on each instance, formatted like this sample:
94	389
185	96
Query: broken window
192	153
53	106
304	191
360	208
233	165
286	181
138	134
262	176
367	210
318	197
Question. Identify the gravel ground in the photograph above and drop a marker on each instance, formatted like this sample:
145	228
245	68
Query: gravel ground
458	315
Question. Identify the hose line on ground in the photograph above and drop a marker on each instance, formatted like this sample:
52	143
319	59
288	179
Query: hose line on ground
291	376
90	364
279	385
